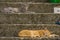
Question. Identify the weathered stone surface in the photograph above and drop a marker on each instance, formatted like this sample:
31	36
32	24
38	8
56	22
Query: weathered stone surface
29	39
28	18
13	30
21	7
42	8
23	0
37	8
9	39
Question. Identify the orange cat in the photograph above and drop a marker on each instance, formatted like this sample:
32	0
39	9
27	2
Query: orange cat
34	33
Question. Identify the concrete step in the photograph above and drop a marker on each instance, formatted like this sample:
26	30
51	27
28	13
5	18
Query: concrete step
30	7
23	0
29	18
12	30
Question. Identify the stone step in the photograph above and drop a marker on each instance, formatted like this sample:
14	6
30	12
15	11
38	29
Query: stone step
23	0
29	18
31	7
14	38
12	30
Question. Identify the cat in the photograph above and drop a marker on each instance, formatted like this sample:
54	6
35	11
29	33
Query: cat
34	33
